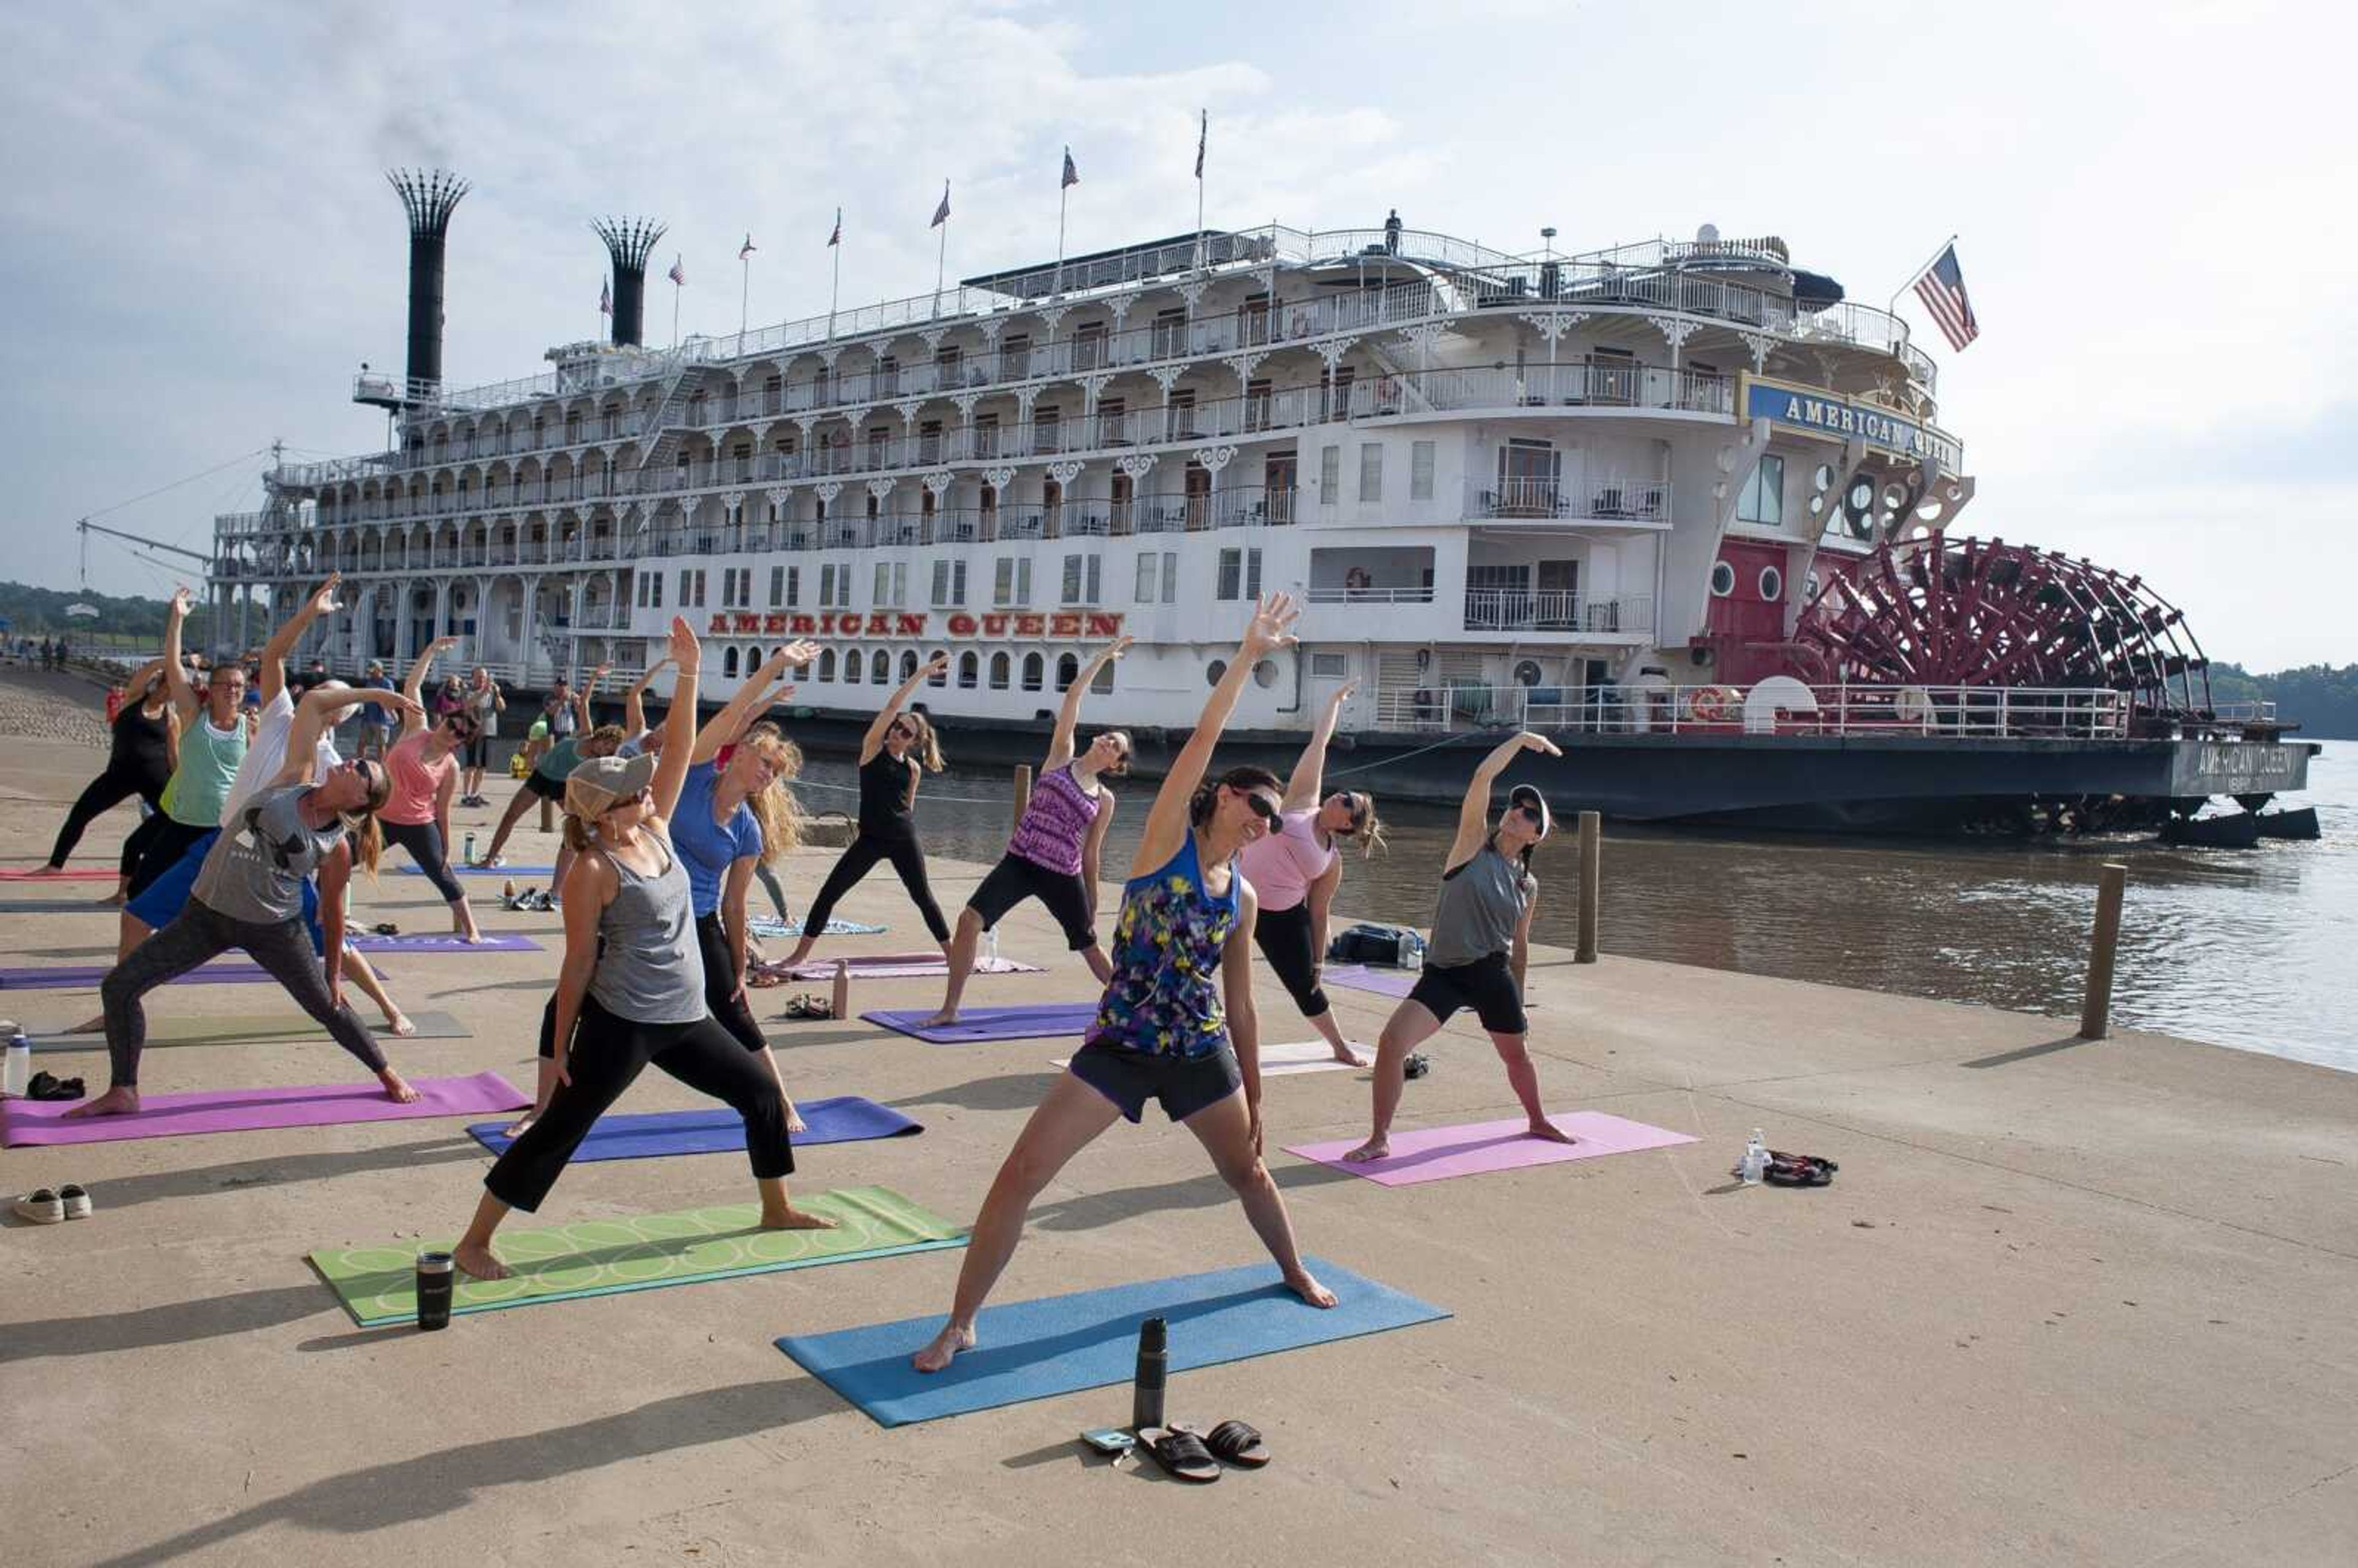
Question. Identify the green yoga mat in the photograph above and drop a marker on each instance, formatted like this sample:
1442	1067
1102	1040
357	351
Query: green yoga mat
378	1285
256	1028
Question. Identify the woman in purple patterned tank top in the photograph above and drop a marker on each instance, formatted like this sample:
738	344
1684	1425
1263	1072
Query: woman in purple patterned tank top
1054	855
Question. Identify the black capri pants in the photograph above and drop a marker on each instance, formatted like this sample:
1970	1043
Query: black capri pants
608	1053
1015	878
423	842
720	994
118	784
908	858
1285	939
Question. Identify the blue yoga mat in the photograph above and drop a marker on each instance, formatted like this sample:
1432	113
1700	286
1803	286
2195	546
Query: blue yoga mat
519	872
1036	1350
1033	1022
718	1130
771	926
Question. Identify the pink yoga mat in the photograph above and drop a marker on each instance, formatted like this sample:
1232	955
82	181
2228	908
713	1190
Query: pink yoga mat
76	874
23	1122
1435	1153
901	966
1359	977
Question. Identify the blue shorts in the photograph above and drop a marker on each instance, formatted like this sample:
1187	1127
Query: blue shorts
161	903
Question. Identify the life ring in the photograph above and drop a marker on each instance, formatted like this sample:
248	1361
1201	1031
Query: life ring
1713	704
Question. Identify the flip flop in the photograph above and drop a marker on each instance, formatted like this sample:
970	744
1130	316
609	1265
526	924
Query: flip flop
1181	1454
1237	1444
76	1200
42	1206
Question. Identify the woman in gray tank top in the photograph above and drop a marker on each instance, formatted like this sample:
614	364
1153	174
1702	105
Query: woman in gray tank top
631	991
1481	943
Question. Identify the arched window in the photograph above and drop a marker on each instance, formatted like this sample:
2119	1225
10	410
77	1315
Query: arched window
880	668
942	678
999	668
1068	667
728	665
852	665
1104	681
969	669
826	665
908	662
1032	669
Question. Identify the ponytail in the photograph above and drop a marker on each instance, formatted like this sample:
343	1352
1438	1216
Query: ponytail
1207	794
927	747
578	836
368	838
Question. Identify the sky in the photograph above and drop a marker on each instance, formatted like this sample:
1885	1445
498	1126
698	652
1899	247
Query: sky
203	249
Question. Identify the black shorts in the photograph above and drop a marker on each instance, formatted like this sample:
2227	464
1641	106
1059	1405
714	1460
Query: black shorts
547	788
1487	985
1015	878
1183	1085
479	752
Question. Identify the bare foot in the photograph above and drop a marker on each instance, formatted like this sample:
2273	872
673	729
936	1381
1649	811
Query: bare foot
1546	1130
517	1129
89	1026
942	1020
1348	1054
947	1344
793	1218
46	871
468	933
115	900
113	1102
396	1088
1303	1285
794	1122
801	952
477	1262
1373	1149
397	1023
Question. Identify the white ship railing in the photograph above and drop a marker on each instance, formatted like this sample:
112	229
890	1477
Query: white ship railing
1567	610
1986	713
1603	499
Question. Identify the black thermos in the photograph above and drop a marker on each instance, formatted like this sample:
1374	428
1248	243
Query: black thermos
434	1281
1153	1366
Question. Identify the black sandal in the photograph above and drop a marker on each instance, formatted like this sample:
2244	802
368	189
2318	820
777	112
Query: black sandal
1237	1444
1181	1454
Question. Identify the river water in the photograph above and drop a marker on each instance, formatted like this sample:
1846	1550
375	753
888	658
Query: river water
2249	948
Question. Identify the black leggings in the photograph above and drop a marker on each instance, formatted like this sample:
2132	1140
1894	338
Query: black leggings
423	842
908	858
720	994
282	947
104	793
163	849
1284	938
608	1053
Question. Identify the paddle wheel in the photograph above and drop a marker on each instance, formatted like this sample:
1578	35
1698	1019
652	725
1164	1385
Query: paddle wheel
1935	613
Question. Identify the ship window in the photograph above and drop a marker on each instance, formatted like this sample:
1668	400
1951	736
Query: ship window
1148	568
1371	470
1773	584
777	587
1330	666
1420	470
942	678
1170	577
826	665
1264	674
969	669
1214	671
1330	475
854	663
1068	670
999	667
1103	683
880	668
1723	579
908	662
1032	668
1239	574
1812	588
1763	501
728	665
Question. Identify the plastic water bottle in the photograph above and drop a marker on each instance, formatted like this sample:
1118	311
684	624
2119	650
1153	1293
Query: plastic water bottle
1755	1160
990	944
470	849
19	1076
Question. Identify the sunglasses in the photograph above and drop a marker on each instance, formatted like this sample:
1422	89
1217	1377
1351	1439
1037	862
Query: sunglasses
1533	814
1261	807
903	730
367	772
1356	806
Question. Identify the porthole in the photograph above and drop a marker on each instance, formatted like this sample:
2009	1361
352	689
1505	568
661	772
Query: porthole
1265	674
1214	671
1723	579
1526	671
1773	584
1812	588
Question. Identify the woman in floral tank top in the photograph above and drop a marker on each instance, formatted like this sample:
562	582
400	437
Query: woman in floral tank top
1177	1023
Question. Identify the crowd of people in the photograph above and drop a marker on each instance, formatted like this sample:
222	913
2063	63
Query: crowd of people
256	821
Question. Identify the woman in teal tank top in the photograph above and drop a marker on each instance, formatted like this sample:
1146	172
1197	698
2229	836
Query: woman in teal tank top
1176	1024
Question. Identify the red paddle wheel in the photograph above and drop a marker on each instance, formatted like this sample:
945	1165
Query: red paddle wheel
1931	611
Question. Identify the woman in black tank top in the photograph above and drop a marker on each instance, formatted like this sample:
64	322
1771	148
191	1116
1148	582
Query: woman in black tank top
138	762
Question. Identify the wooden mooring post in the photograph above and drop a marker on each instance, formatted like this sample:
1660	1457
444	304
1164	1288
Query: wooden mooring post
1023	794
2096	1009
1592	845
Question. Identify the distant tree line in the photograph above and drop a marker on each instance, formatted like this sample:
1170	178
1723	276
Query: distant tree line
41	612
2321	697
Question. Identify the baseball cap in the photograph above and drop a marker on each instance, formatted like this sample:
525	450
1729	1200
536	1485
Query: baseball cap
1527	794
592	789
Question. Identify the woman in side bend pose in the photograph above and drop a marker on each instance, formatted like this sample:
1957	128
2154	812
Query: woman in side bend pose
547	780
424	766
898	750
1295	868
213	739
250	895
1184	940
1481	945
142	741
634	983
1054	855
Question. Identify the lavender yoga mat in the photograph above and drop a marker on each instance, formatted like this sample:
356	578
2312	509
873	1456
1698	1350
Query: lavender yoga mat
993	1023
519	872
845	1119
1359	977
1280	1061
23	1122
82	976
33	874
899	966
1435	1153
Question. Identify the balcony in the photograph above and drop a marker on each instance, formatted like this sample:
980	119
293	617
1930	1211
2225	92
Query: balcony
1602	500
1565	613
1594	382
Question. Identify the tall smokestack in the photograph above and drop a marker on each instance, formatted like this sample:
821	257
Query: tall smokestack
629	240
431	196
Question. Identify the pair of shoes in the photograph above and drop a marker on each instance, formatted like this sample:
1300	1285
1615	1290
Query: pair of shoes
1792	1169
1189	1457
385	928
46	1084
491	861
808	1006
1417	1065
531	899
48	1206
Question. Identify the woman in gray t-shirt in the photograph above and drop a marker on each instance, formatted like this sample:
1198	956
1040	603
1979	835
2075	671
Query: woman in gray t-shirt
1481	944
631	988
249	895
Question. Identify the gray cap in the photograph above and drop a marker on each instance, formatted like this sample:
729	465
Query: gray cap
592	789
1524	793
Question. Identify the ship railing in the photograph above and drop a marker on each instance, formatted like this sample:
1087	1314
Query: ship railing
1371	595
2245	712
1601	500
1948	713
1603	382
1563	611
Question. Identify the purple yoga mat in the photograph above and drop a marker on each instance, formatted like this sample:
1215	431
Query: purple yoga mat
84	977
901	966
23	1122
993	1023
1435	1153
1359	977
443	942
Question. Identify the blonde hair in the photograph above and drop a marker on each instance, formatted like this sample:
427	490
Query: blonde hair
578	838
776	807
926	747
1370	833
603	742
368	836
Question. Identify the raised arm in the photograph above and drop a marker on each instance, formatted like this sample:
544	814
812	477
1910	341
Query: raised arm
1068	717
873	742
680	724
760	689
1474	811
414	687
317	712
185	697
281	647
1308	784
634	701
136	682
1166	822
582	723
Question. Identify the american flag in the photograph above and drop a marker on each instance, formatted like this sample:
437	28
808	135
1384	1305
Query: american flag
1942	290
678	273
605	297
746	249
837	237
941	212
1203	135
1071	174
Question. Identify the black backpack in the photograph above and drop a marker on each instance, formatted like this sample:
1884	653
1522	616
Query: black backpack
1388	946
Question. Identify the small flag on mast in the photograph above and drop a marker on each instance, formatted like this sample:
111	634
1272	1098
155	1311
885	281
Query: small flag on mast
1071	174
1203	135
746	249
605	297
1942	287
837	237
678	273
941	212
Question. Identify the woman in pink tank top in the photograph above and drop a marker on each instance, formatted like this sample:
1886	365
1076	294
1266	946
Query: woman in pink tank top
424	767
1296	868
1054	855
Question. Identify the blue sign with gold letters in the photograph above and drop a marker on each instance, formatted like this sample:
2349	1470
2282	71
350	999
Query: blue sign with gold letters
1820	413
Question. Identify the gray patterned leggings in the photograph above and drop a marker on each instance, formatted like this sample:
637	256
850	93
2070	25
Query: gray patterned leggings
201	933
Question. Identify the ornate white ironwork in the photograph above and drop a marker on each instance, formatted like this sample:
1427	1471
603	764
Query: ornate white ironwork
778	495
1065	473
933	337
732	504
1216	457
939	482
1053	314
907	409
1675	330
828	489
1552	324
881	488
1192	291
1332	351
999	478
1165	376
1244	364
1119	304
1092	386
965	402
1138	465
1759	343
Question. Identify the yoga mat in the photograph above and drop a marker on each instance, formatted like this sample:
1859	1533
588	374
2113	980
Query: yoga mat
1036	1349
259	1028
442	942
378	1285
58	906
72	874
899	966
846	1118
23	1122
1437	1153
993	1023
1277	1060
519	872
1359	977
77	976
771	926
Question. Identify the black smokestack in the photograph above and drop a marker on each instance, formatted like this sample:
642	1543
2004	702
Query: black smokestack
431	196
629	240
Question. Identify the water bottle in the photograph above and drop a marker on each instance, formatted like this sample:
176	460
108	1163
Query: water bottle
19	1075
1755	1160
839	999
470	849
1153	1375
990	946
